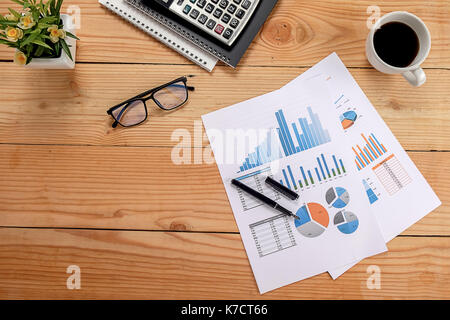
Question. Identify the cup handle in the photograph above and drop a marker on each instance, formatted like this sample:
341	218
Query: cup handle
415	77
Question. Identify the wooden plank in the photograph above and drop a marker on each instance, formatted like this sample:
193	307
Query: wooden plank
154	265
297	33
69	107
141	188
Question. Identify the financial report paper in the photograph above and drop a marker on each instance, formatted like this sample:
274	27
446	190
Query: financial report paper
291	136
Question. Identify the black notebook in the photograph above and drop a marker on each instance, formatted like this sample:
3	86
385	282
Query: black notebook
230	55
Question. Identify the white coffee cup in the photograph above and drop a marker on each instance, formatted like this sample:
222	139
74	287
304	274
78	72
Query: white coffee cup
413	73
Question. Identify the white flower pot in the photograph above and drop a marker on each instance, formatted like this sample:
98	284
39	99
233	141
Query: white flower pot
63	62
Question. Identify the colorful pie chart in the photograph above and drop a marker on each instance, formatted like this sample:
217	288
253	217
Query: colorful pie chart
348	119
346	222
313	220
337	197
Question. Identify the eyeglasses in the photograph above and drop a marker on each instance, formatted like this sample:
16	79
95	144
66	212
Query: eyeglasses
169	96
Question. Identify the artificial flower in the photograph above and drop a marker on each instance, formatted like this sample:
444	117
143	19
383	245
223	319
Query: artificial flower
20	58
56	34
13	34
26	21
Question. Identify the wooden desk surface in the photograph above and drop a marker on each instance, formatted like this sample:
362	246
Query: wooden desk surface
73	191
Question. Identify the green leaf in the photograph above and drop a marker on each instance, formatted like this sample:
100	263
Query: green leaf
43	25
39	51
8	23
58	5
72	35
53	8
47	5
14	13
48	20
66	48
35	14
33	36
41	43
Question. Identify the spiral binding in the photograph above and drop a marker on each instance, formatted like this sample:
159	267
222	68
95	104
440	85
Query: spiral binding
182	32
151	31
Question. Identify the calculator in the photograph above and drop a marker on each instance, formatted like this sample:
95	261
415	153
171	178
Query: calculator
222	19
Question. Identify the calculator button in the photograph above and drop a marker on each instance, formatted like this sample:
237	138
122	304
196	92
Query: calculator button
240	13
193	1
234	23
217	13
180	2
201	3
228	33
194	14
246	4
186	9
210	24
202	19
214	1
223	4
237	1
226	17
209	8
232	8
219	29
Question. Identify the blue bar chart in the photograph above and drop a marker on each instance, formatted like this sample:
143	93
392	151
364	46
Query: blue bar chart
370	192
303	134
300	177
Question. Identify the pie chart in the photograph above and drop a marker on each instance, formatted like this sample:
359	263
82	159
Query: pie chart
348	119
346	222
337	197
313	220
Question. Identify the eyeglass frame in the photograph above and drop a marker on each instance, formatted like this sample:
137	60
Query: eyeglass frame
150	92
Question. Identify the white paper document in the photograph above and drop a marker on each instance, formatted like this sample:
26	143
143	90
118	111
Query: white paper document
397	192
253	139
319	136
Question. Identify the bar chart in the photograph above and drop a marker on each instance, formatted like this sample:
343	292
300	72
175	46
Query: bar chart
301	136
300	177
371	195
371	151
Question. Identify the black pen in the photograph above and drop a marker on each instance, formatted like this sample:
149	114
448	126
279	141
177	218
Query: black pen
282	189
263	198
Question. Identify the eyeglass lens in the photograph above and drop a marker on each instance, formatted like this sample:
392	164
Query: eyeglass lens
131	114
171	96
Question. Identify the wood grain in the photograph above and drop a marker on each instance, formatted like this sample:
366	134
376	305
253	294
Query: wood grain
155	265
65	174
69	107
298	33
140	188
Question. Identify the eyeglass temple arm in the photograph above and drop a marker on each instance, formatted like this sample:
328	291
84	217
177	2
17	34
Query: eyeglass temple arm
152	90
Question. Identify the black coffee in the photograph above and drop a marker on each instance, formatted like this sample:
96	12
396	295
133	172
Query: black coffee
396	44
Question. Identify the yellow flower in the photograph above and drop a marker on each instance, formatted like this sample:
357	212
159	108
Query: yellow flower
26	21
20	58
10	17
56	34
13	34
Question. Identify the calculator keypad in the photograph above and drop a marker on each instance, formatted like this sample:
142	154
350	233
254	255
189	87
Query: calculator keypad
222	19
